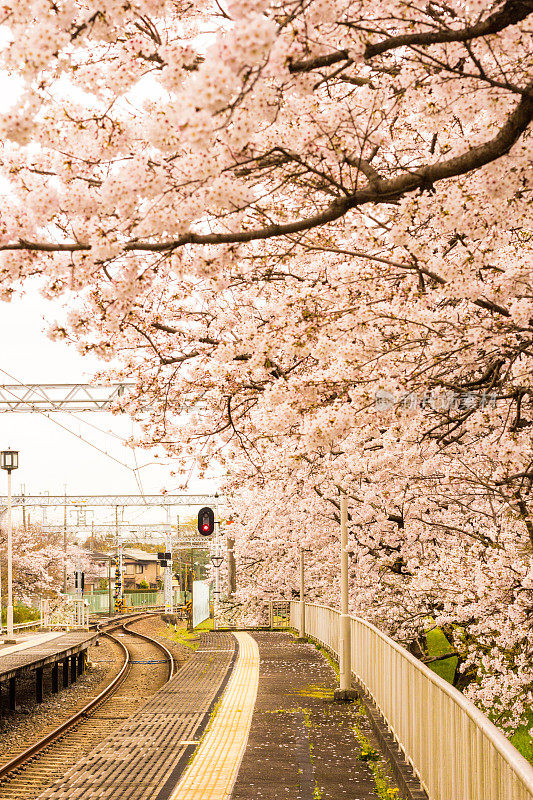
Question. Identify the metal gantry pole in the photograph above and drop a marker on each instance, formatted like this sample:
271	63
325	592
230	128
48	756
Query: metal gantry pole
0	596
65	544
191	620
110	585
345	647
167	577
217	566
23	492
9	560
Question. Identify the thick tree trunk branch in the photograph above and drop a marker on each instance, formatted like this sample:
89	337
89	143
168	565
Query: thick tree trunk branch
511	13
378	191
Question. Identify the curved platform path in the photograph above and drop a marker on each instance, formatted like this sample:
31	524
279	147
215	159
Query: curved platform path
213	770
249	717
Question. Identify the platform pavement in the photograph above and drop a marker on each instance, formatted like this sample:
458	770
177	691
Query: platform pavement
273	731
302	745
26	640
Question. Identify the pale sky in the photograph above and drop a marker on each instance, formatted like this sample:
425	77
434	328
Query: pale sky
50	457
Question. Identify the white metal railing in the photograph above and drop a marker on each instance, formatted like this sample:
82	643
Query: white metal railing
20	626
279	614
64	612
456	751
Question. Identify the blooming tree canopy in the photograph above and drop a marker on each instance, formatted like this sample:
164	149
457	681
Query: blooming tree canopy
309	223
38	560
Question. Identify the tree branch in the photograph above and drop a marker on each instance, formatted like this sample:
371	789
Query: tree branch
378	191
511	13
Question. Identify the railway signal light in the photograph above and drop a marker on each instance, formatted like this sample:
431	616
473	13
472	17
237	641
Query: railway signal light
206	521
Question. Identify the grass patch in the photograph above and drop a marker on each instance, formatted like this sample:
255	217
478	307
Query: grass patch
318	692
384	788
181	635
329	658
21	613
522	740
438	645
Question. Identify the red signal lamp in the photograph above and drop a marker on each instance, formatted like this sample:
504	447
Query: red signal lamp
206	521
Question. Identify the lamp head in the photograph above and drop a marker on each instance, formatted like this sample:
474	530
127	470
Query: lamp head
9	459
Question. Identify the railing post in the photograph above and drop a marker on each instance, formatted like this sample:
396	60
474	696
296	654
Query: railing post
344	692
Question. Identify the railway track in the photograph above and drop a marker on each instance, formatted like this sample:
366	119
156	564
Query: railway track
147	665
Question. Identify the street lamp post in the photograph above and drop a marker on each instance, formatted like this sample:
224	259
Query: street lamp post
9	460
216	561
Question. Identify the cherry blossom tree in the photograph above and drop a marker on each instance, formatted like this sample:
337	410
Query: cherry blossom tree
38	563
307	225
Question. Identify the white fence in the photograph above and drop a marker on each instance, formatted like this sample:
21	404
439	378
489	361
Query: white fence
98	602
200	602
457	753
64	613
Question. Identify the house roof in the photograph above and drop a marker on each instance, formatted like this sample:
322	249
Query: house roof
139	555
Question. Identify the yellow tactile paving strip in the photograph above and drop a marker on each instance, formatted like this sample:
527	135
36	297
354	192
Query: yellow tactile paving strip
213	770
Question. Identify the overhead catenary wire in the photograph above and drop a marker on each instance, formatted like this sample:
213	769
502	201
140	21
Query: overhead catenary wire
134	470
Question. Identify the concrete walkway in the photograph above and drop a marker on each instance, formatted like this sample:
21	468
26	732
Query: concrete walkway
28	640
278	734
302	745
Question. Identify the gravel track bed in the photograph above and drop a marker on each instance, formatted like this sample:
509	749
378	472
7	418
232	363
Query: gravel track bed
18	729
142	681
157	629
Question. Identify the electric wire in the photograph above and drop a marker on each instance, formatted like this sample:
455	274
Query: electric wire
73	433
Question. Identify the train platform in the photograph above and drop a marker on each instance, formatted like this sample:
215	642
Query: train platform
40	650
250	716
27	639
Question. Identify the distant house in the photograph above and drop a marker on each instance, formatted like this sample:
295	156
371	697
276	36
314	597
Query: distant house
100	563
139	566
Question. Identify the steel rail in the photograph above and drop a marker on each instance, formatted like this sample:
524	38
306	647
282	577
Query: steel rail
170	657
97	701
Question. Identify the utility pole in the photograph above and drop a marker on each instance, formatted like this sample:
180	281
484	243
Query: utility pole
110	584
344	692
217	553
65	543
167	577
232	573
23	492
190	620
119	589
